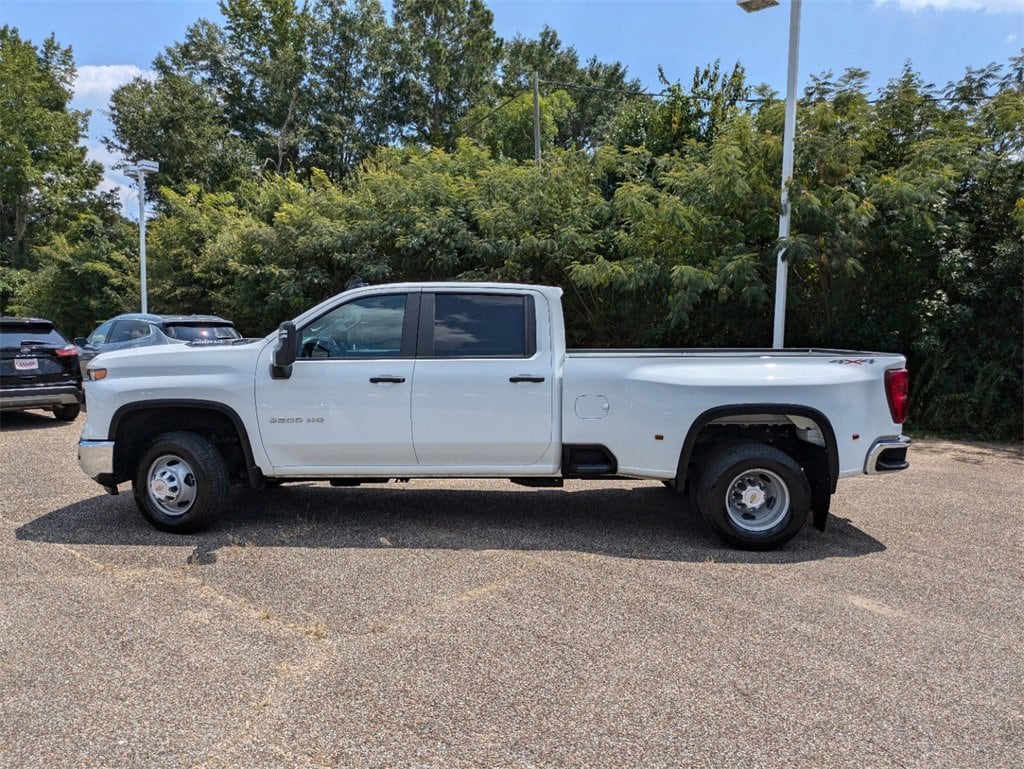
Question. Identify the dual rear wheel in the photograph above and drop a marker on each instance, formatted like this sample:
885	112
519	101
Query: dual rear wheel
754	496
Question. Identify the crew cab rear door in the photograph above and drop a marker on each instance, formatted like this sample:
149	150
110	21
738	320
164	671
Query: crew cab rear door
483	390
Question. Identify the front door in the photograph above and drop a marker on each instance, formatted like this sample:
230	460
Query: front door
346	406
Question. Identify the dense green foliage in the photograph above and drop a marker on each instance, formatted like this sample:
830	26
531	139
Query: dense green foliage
62	244
303	145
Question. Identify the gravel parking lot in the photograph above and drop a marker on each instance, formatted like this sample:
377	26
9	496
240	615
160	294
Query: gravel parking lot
480	624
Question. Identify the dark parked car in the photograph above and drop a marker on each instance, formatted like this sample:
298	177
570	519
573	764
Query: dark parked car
144	329
38	368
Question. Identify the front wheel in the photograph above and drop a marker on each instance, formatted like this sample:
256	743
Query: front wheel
754	496
181	482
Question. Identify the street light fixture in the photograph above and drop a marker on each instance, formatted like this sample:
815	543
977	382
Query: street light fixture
139	171
788	132
755	5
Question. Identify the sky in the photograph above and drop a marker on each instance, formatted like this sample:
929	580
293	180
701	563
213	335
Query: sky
116	40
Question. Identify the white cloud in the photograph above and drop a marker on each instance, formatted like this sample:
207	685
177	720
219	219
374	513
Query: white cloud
95	83
93	88
989	6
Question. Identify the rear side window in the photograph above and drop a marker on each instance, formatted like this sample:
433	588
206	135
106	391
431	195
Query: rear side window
482	326
200	333
18	334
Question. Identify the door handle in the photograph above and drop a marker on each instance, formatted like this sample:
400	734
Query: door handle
387	379
525	378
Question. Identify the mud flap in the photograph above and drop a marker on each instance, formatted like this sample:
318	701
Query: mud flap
819	508
816	469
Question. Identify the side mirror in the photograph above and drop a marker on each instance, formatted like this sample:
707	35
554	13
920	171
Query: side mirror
286	352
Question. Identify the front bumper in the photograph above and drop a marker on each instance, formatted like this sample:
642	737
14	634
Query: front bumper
887	455
96	458
39	397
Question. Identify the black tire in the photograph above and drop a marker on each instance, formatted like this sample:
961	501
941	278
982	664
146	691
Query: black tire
754	496
67	413
181	482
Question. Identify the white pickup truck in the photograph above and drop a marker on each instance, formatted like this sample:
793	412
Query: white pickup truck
473	380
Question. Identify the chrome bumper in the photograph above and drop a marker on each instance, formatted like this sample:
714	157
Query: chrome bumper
887	455
96	458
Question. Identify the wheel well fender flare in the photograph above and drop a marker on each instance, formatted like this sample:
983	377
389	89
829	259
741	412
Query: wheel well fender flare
780	409
185	404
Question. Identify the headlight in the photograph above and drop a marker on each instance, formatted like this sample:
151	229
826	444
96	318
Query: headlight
96	374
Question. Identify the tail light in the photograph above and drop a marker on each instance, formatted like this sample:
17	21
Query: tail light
66	351
897	385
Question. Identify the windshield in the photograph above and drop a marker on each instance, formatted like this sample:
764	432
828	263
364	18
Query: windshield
190	332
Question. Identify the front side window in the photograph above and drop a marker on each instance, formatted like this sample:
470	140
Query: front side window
480	326
99	336
365	328
129	330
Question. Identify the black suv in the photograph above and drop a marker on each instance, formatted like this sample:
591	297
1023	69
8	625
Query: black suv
38	368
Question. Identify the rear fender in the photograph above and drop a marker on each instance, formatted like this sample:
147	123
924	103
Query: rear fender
822	468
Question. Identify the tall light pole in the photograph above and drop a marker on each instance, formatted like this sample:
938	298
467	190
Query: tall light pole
788	132
139	171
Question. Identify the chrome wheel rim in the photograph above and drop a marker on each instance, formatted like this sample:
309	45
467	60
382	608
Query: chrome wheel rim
757	500
171	485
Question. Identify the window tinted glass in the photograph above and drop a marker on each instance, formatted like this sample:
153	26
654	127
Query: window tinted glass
468	325
365	328
15	334
99	336
127	330
193	333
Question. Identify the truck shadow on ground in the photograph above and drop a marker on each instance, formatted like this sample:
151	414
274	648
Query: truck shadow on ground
647	522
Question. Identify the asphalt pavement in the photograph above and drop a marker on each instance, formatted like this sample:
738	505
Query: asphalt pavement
481	624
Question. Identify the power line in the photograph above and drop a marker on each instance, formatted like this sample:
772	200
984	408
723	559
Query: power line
746	100
688	97
501	106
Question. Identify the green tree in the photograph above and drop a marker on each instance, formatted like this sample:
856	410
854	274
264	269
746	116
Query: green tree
44	175
598	89
226	99
969	352
180	122
507	131
681	115
355	106
448	54
86	274
277	87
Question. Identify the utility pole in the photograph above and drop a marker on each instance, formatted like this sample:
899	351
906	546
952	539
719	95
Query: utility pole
536	119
